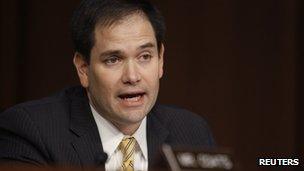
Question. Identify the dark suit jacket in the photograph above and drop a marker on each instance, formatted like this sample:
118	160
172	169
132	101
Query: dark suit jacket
61	130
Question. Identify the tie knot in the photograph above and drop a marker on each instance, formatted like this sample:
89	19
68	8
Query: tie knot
127	145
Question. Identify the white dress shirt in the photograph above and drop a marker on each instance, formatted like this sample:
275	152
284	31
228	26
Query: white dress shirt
111	138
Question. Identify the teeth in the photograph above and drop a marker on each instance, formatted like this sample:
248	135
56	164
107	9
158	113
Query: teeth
132	99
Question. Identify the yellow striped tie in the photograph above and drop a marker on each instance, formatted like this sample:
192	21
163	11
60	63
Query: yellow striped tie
127	147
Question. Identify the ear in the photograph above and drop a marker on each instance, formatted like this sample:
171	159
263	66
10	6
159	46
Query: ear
161	61
82	68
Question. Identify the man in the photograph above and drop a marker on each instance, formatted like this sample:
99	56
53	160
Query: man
119	55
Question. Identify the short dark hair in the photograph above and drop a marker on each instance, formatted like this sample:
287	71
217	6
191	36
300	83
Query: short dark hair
106	12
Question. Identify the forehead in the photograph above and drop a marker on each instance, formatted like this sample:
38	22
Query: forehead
132	28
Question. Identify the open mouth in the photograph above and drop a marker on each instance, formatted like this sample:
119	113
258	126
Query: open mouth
131	97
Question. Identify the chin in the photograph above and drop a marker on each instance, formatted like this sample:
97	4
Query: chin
134	116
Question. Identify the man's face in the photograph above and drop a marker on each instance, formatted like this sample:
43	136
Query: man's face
122	78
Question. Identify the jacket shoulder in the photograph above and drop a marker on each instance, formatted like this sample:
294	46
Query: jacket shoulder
185	127
51	104
25	128
168	114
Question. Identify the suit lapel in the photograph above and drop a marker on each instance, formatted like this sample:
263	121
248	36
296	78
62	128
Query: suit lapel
156	136
86	141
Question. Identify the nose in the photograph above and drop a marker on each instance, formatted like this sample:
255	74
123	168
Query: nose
131	74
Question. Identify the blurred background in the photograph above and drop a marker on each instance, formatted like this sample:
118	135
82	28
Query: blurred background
237	63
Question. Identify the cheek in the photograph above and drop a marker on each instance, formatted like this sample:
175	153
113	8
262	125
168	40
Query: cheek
103	82
152	77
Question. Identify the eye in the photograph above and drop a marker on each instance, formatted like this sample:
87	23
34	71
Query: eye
145	57
112	60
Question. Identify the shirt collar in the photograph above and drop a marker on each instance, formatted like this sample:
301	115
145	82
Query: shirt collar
111	137
140	136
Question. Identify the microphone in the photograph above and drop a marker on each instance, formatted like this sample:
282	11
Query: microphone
101	159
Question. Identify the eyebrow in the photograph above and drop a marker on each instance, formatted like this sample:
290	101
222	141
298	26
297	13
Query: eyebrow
110	53
147	45
119	52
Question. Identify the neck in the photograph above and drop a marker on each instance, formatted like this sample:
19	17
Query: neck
127	129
